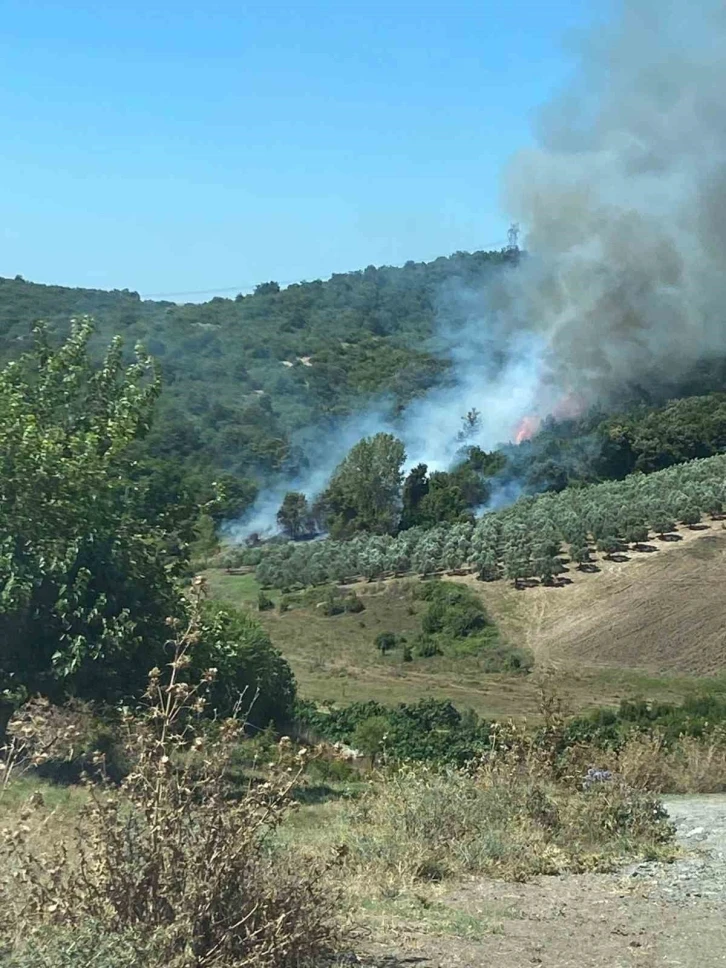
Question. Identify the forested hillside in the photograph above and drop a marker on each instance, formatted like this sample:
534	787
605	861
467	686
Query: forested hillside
242	376
248	381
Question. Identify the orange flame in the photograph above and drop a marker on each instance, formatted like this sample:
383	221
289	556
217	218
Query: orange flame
566	408
526	428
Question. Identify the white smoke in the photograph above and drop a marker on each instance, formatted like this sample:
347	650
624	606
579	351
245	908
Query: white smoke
624	202
498	374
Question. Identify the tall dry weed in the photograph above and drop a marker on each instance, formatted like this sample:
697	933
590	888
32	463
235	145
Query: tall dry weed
690	764
171	855
498	819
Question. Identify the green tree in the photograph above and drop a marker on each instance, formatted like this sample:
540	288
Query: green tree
470	425
662	522
691	515
364	493
86	581
294	514
580	554
415	488
636	532
369	736
488	566
609	545
205	541
386	641
89	563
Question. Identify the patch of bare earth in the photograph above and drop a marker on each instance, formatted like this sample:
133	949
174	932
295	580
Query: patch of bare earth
648	915
660	610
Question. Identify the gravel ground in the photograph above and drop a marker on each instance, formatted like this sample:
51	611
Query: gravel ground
646	916
701	873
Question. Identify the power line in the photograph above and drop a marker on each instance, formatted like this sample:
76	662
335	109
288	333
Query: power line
251	285
209	292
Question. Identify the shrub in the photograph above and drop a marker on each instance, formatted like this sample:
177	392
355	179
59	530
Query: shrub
86	946
386	642
427	824
332	604
235	644
504	658
428	730
455	622
426	646
353	604
369	735
264	602
171	858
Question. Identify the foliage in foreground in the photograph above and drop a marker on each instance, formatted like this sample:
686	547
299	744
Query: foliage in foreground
171	860
84	574
499	819
90	561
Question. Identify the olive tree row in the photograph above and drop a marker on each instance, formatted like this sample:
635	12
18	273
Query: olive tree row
521	541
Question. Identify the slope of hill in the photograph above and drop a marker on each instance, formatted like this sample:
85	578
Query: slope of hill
661	611
242	376
250	382
650	624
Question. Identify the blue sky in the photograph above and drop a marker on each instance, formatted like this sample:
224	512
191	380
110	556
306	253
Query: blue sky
175	147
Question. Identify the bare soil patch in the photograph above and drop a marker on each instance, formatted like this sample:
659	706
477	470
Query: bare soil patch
648	915
662	612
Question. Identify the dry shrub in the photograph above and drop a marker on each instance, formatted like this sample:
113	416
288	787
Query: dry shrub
171	858
37	734
691	764
646	761
421	823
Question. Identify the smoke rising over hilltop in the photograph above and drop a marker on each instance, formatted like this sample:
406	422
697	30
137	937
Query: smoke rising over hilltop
625	203
623	284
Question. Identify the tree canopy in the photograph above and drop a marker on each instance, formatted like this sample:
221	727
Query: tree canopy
364	493
84	574
90	556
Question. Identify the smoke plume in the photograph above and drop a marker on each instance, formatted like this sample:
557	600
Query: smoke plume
624	206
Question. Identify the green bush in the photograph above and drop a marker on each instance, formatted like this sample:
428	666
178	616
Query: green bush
426	646
264	602
333	603
369	735
386	642
453	610
248	666
504	658
428	730
353	604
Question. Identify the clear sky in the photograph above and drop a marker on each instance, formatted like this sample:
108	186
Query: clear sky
170	147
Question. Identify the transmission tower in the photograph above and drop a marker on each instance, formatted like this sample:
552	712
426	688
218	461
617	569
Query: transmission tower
513	238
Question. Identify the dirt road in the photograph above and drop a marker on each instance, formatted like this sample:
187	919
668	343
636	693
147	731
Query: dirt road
646	916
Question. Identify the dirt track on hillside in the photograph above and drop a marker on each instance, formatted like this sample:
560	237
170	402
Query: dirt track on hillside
650	915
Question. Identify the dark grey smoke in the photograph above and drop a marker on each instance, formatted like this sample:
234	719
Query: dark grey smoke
624	203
